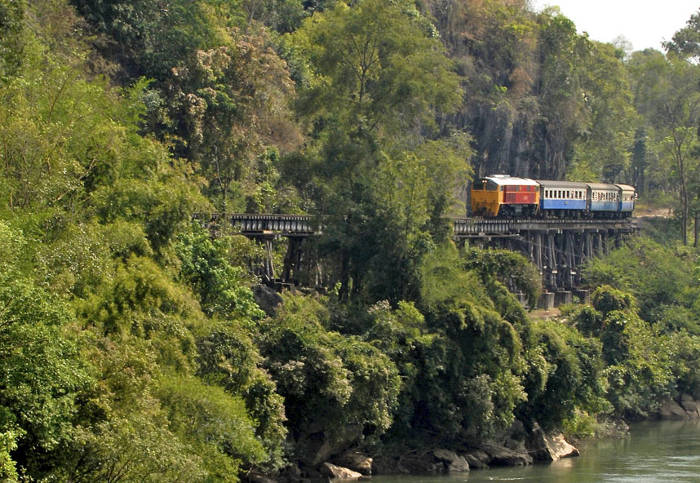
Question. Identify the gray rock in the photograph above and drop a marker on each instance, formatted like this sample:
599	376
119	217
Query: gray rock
267	299
258	478
385	465
420	463
355	461
502	456
477	459
453	462
338	472
670	409
691	406
545	447
318	446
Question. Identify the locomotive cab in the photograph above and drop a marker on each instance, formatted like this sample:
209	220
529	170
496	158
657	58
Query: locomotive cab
504	196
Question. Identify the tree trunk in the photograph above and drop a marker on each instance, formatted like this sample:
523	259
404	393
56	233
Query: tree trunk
680	163
695	225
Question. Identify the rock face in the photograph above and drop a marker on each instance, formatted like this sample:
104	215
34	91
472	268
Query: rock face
355	461
549	448
453	462
502	456
686	408
691	406
266	298
338	472
477	459
317	446
433	462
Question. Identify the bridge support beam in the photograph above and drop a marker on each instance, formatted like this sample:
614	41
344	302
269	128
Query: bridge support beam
557	247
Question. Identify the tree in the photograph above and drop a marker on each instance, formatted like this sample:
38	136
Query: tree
377	78
667	94
686	42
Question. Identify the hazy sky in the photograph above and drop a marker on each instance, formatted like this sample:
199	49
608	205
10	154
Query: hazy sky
645	23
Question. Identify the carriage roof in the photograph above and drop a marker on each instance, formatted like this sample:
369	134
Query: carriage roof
602	186
547	183
505	180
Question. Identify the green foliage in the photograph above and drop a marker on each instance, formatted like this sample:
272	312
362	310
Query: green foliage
686	41
572	375
132	348
42	373
11	41
228	358
508	267
660	279
641	367
215	423
330	383
605	299
374	66
222	288
134	448
372	75
8	443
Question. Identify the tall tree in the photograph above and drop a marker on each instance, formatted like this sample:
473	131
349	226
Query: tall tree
686	41
667	94
377	77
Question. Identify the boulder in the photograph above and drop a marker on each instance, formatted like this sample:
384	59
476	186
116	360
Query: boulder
502	456
453	462
355	461
691	406
549	448
338	472
255	477
267	298
477	459
385	465
670	409
319	446
419	463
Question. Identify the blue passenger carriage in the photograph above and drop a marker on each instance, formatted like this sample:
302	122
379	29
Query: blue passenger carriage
627	199
562	198
603	199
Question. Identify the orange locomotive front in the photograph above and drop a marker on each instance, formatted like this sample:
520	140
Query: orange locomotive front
504	196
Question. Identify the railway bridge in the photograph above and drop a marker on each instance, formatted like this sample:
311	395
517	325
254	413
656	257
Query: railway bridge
557	247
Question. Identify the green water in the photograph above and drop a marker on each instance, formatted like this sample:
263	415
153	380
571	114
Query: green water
660	452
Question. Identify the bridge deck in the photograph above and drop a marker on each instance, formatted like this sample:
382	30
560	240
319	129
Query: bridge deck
308	225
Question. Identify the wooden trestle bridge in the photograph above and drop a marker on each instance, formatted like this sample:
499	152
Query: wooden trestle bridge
557	247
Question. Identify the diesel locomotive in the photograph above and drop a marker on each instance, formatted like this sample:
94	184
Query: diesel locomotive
506	196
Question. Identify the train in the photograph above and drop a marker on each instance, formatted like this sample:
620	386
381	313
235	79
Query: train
504	196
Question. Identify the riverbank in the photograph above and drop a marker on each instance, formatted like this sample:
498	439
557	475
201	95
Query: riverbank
653	452
518	447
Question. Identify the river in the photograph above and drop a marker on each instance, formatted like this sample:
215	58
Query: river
654	452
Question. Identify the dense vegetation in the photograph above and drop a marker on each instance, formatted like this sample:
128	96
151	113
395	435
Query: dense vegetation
131	344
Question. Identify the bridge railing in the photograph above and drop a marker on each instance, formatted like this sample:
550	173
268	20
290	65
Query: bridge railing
308	225
484	227
262	224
